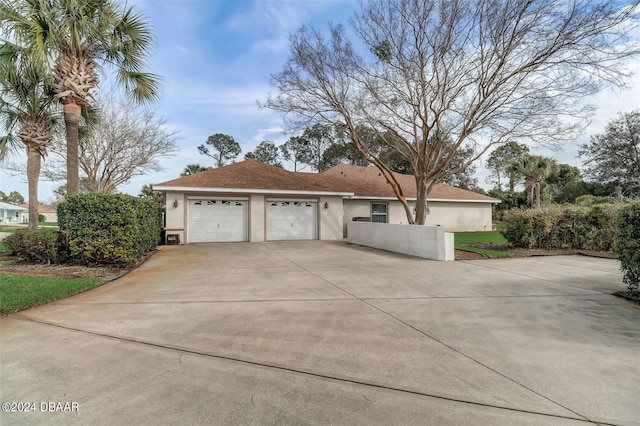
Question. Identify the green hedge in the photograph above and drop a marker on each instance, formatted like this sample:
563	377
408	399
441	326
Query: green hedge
36	245
585	228
109	228
627	245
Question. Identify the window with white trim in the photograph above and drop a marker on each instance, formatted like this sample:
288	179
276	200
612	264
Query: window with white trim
379	212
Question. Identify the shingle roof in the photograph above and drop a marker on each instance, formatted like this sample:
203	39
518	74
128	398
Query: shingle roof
369	182
7	206
251	174
343	178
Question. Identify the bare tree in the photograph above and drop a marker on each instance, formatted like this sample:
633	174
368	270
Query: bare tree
481	72
126	141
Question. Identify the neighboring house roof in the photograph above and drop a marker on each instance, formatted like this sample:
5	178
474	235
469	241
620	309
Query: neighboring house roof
250	176
42	208
368	182
7	206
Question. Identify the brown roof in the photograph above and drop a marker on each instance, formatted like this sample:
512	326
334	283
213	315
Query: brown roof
42	208
251	174
369	182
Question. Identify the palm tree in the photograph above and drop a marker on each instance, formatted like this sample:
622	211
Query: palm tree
77	36
534	169
26	102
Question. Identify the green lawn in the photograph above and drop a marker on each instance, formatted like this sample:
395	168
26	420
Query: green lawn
3	247
20	291
466	240
7	228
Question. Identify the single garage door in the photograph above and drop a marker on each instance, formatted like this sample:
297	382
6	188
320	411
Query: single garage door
219	220
292	220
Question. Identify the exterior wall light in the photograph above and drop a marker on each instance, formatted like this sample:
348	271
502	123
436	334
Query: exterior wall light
326	204
175	203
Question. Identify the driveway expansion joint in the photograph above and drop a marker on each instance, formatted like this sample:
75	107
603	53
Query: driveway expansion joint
293	370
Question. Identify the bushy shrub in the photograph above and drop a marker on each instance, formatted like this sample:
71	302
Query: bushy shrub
109	228
562	227
37	245
41	218
627	245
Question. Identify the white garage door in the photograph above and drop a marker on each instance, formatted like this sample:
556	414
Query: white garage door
219	220
292	220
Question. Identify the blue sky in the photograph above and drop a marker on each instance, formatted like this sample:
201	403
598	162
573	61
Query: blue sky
215	58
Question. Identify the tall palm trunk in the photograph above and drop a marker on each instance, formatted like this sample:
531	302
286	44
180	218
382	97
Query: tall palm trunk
34	158
72	123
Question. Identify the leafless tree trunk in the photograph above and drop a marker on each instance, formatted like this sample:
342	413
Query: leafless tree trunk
479	72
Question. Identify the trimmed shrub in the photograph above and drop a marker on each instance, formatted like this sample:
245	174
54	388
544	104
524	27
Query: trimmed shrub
41	218
566	227
109	228
36	245
627	246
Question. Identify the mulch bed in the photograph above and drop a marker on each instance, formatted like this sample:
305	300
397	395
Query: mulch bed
12	265
520	252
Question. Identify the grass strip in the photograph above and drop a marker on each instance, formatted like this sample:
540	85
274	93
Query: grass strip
19	292
466	240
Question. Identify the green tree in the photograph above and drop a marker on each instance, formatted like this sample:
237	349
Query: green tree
226	148
78	37
614	156
296	150
192	169
499	163
481	72
534	169
14	197
565	184
266	152
26	110
157	197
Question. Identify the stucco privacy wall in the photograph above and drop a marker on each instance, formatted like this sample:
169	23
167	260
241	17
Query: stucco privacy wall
429	242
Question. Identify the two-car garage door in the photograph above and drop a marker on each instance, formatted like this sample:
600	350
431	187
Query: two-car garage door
226	220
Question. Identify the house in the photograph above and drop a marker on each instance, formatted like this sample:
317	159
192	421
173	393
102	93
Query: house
12	214
50	213
458	210
253	201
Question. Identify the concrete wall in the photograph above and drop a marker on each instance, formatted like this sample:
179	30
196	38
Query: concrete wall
429	242
454	216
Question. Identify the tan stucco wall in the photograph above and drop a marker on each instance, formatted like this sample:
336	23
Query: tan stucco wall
257	217
175	216
330	218
454	216
460	217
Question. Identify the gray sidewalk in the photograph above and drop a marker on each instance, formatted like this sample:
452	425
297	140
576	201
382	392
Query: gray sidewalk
328	333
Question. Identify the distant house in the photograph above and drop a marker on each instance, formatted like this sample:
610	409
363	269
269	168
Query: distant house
253	201
11	213
50	213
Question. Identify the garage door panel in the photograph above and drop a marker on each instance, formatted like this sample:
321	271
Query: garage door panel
291	220
217	220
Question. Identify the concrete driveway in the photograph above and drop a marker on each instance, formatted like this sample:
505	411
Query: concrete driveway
329	333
